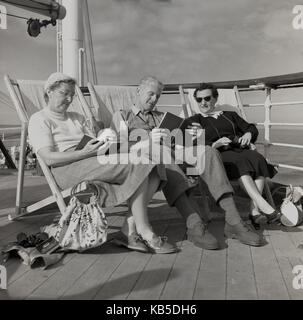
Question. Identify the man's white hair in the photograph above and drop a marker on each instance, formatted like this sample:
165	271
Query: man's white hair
145	81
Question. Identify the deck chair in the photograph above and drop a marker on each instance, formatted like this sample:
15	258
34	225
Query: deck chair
107	100
27	97
228	100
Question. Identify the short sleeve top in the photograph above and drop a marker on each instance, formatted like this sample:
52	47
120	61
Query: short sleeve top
60	131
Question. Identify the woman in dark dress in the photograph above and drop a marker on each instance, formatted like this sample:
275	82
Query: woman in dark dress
232	136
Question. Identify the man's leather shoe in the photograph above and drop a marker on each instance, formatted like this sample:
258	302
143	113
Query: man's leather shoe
243	233
201	237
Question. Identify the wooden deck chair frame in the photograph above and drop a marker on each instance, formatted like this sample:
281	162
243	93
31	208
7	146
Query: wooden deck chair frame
96	106
187	111
58	195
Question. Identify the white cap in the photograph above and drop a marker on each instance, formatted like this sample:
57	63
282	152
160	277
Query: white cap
54	77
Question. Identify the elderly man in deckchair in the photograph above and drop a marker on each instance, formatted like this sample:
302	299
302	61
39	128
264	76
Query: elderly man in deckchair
143	116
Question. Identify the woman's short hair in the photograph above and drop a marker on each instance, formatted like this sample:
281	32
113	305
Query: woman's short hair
54	81
205	86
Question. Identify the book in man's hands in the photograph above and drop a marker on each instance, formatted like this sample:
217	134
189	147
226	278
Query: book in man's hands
170	121
113	147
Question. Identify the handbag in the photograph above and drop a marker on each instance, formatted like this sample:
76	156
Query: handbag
83	225
291	207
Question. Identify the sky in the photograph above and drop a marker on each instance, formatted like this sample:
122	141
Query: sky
177	41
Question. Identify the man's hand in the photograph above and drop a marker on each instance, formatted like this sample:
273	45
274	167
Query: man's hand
221	142
245	139
158	135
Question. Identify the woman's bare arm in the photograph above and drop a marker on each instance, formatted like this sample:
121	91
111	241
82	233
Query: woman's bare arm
53	158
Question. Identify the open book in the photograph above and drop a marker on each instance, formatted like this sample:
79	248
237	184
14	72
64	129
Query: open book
83	142
113	147
171	122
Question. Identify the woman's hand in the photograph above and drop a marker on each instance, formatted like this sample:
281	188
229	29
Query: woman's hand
92	146
221	142
245	139
107	134
54	158
195	130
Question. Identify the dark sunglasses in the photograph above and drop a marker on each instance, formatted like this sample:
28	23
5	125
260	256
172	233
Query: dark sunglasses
207	99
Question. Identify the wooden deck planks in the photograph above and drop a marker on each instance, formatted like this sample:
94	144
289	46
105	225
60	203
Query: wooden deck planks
11	229
240	278
109	257
114	273
296	236
211	279
14	266
181	283
33	278
124	278
157	270
287	256
72	269
87	286
58	282
269	279
110	272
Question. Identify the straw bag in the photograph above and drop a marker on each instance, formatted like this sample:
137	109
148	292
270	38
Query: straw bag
83	225
291	207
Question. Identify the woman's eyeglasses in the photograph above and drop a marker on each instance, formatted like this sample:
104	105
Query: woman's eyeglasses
207	99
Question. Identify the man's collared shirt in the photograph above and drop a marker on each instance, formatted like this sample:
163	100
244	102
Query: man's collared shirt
125	122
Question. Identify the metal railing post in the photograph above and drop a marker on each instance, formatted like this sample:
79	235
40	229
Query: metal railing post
267	122
81	57
59	46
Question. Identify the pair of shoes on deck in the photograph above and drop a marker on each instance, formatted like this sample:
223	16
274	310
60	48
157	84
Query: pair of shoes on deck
201	237
157	244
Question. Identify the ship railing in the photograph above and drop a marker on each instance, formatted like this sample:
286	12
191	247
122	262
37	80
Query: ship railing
5	130
268	124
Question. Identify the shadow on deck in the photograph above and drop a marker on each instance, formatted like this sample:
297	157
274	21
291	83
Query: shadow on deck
236	271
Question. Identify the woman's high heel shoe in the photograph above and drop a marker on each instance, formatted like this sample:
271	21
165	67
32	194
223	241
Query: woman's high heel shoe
257	220
273	217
